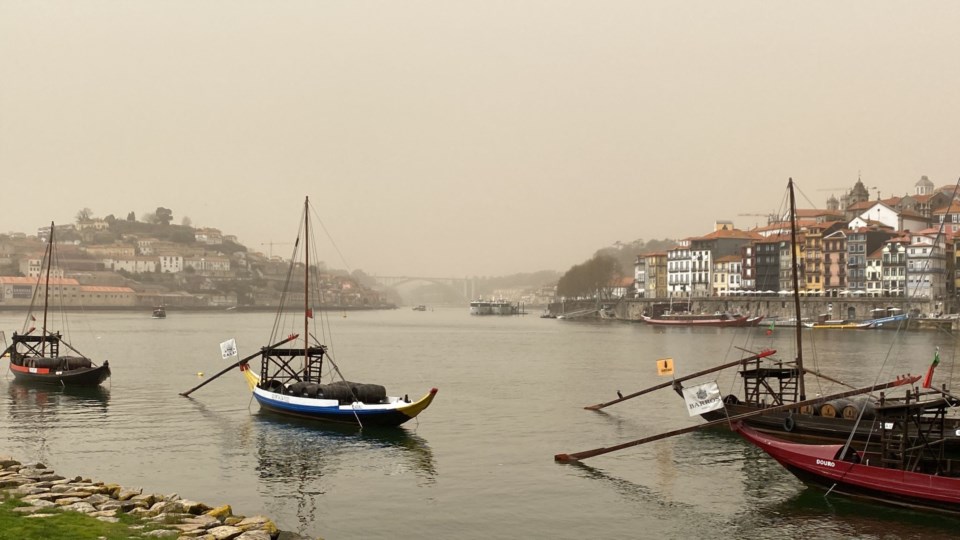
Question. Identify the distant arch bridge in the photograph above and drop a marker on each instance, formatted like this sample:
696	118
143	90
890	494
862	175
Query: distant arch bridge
462	286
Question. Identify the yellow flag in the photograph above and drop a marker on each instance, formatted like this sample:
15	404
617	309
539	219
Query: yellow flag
665	366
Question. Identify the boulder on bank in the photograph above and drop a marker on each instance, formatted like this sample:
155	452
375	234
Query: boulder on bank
169	516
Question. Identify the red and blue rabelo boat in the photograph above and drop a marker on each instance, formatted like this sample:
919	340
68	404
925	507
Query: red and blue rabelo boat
35	353
337	402
298	375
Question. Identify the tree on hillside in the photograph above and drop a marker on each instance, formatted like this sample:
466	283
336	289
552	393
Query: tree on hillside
131	217
626	253
164	215
84	215
186	221
590	277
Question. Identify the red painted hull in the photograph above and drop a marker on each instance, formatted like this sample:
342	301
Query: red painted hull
701	321
91	376
817	465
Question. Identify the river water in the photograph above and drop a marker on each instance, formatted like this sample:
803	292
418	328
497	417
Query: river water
479	462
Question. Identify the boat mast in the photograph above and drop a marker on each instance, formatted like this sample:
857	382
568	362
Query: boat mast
796	288
46	292
306	284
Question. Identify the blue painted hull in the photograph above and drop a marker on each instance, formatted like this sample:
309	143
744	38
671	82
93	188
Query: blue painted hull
364	415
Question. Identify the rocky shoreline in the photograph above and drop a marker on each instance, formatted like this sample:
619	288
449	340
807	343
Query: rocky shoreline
161	516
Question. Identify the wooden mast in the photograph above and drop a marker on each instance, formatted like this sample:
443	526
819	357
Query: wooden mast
796	289
306	286
46	293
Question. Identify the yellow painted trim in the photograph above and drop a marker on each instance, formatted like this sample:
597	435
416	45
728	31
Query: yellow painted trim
252	378
415	408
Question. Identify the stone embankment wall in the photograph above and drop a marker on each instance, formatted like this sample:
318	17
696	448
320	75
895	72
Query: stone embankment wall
767	306
164	516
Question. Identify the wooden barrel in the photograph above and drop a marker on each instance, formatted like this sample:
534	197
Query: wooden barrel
840	406
834	408
827	410
808	409
852	411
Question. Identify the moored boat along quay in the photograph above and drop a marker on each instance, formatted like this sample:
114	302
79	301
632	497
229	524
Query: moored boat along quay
922	314
41	493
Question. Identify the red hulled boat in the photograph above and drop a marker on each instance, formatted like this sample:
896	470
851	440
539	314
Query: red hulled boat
902	479
35	353
691	319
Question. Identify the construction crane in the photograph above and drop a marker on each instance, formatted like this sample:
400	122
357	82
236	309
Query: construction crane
770	217
845	190
271	244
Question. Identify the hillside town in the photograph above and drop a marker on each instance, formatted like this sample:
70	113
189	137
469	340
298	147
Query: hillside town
902	246
856	247
125	263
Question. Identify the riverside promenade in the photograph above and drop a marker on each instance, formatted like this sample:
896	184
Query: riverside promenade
770	306
42	493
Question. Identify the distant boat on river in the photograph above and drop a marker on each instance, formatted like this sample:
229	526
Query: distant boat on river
892	321
703	319
494	307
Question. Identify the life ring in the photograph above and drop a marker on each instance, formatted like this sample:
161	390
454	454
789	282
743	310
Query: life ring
788	423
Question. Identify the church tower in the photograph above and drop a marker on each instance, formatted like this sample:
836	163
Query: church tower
856	195
923	186
833	204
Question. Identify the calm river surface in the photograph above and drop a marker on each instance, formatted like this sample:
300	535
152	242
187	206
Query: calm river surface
478	463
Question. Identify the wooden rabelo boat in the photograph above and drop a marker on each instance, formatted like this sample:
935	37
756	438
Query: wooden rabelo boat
35	353
293	379
694	319
906	467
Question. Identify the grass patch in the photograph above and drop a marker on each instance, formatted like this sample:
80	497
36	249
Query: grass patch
62	524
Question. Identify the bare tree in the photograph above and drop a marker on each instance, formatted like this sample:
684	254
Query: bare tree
589	278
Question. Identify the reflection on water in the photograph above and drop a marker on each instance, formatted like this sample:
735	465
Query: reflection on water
851	518
298	462
36	410
290	448
29	399
634	492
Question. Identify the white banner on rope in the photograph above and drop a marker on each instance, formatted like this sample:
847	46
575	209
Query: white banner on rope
228	348
702	398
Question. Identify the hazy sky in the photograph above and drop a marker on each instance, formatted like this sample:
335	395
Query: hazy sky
445	138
